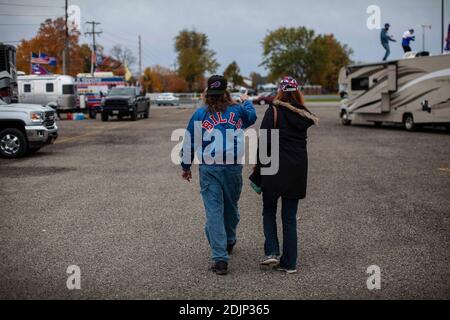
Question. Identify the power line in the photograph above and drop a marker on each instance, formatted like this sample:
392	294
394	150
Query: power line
28	5
25	15
94	47
19	24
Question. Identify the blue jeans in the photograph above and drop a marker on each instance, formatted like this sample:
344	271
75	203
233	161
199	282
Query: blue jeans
221	188
289	219
388	51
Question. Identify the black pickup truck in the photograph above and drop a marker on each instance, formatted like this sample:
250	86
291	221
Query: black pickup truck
123	102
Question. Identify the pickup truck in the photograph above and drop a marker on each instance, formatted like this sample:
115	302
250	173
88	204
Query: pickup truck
125	101
25	128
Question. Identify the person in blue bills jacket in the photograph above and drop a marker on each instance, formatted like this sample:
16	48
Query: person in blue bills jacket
215	133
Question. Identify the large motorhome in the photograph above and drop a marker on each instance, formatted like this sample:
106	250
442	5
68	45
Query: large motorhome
54	90
8	72
412	92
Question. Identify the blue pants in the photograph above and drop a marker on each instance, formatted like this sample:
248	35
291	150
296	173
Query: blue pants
388	51
289	220
221	189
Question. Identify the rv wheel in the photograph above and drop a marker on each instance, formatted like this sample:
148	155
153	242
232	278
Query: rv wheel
345	119
408	122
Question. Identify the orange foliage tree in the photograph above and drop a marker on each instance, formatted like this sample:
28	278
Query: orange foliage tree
50	40
160	79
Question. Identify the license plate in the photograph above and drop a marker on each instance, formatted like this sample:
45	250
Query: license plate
116	112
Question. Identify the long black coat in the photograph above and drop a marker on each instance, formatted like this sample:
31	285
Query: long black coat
292	178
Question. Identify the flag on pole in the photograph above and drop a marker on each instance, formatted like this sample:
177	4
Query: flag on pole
42	58
128	74
38	70
51	61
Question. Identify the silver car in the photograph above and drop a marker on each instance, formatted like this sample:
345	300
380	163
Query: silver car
167	98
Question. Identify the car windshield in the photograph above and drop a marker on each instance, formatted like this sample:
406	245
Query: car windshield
122	92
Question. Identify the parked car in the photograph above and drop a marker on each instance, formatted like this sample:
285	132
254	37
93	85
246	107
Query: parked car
25	128
125	101
167	99
265	98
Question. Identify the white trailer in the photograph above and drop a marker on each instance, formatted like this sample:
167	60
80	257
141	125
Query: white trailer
57	91
411	92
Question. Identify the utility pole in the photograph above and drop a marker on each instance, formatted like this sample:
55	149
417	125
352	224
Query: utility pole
140	59
94	46
66	52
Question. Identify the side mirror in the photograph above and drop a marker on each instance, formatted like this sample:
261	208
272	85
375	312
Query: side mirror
425	106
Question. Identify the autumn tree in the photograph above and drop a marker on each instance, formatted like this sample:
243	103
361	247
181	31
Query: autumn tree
160	79
326	57
194	58
86	56
233	74
50	40
257	79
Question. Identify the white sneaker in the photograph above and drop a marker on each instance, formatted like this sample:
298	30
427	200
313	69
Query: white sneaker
270	261
293	271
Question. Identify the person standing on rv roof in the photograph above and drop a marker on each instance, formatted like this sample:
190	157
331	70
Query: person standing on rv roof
408	36
385	38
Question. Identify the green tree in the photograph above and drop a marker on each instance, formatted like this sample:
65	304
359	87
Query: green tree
301	54
194	57
233	73
285	51
326	57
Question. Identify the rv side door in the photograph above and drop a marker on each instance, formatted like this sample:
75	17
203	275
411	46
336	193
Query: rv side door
392	78
392	86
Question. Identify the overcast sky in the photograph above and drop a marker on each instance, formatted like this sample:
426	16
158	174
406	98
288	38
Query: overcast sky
236	27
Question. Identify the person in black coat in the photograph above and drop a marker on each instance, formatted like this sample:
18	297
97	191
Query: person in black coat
288	114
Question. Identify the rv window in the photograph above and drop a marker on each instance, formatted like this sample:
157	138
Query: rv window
27	88
49	87
68	89
360	84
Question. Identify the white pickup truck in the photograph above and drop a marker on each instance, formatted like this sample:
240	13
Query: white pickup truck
25	128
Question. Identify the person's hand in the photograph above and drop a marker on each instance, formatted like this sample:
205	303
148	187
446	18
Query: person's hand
187	175
244	97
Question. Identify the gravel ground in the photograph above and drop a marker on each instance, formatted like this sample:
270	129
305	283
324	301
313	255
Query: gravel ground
107	198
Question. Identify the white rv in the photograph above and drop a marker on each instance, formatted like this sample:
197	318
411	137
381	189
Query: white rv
411	92
54	90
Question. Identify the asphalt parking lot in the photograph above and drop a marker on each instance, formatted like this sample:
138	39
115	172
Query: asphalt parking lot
107	198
